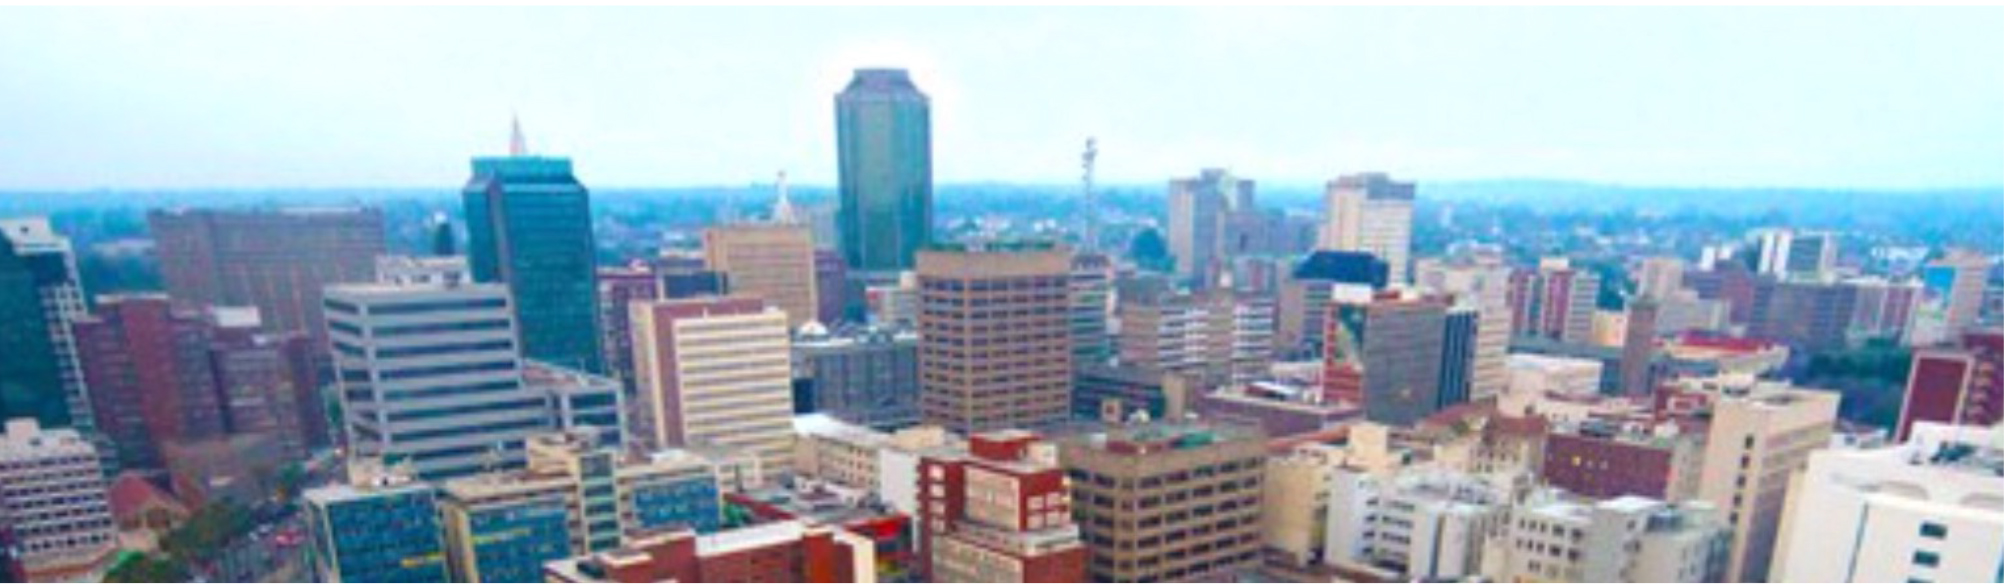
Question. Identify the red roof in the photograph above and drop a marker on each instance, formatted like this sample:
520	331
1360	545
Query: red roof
132	494
1722	342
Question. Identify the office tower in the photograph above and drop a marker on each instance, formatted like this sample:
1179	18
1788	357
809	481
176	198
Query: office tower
1419	525
1092	302
54	504
577	496
1481	284
1803	314
529	225
1659	277
617	288
1384	353
831	288
1918	512
883	130
277	261
1959	386
147	363
432	375
400	269
1884	309
1304	296
787	551
48	258
715	373
31	376
1951	297
1214	337
771	262
1604	459
1629	539
1638	347
867	376
998	512
1198	209
1457	355
1166	502
995	339
1370	212
268	386
1757	441
1556	301
381	527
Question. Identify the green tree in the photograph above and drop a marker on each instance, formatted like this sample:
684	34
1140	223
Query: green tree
1150	252
148	569
205	534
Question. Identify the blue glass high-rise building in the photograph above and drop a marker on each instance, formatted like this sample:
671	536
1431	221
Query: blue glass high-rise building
31	384
883	127
529	225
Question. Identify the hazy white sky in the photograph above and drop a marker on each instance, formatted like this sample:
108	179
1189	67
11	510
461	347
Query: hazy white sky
679	96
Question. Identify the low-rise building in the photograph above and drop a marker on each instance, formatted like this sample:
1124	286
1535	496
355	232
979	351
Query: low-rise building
53	503
1416	524
575	497
1629	539
779	552
380	527
998	511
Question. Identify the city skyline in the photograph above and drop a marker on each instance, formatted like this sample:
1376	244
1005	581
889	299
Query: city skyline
1845	98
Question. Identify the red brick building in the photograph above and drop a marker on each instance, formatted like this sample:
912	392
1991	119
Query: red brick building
1961	385
147	363
1604	460
1000	512
778	552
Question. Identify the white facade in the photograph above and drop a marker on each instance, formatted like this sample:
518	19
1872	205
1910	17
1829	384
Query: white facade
716	378
1629	539
53	499
434	270
1423	524
432	374
1931	510
1541	375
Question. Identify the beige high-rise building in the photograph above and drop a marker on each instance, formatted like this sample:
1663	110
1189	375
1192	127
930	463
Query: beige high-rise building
715	372
771	262
995	338
1761	437
1369	212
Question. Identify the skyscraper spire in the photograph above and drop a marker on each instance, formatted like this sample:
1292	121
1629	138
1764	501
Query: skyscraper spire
782	210
517	145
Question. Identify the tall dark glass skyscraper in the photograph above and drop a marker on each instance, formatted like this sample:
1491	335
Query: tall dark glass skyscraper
31	386
529	226
884	131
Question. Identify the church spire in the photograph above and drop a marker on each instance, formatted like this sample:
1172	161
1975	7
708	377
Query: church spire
782	210
517	145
